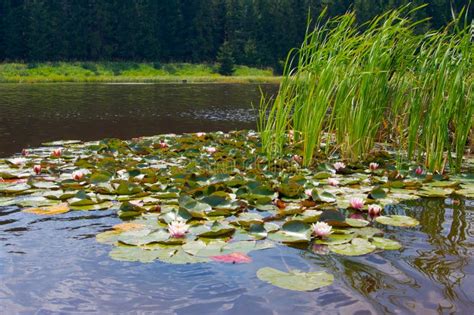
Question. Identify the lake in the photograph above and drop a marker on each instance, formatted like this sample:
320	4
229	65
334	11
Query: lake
36	113
53	264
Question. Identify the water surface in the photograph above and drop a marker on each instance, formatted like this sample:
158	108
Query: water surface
54	265
34	113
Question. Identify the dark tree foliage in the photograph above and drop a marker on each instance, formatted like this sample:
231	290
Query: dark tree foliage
226	59
259	32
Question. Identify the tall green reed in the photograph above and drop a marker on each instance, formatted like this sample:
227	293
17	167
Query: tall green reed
376	82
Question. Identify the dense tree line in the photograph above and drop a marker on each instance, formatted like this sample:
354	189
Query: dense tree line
256	32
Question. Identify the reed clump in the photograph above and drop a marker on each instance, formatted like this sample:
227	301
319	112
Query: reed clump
377	82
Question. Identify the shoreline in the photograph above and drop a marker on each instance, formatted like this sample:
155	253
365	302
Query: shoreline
128	73
153	80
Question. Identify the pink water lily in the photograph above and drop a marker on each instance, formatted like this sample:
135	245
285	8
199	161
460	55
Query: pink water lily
178	228
298	159
37	169
333	182
339	166
373	166
322	229
356	203
374	210
419	171
163	144
57	153
25	152
200	134
308	192
211	150
77	175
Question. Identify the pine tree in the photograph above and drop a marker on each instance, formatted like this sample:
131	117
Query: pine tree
226	59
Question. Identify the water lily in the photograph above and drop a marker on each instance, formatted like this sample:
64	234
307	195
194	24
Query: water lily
57	153
374	210
298	159
18	161
322	229
163	144
177	228
37	169
419	170
77	175
339	166
373	166
200	134
356	203
25	152
333	182
308	192
211	150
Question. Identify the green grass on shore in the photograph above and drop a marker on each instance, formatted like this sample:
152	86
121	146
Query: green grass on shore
126	72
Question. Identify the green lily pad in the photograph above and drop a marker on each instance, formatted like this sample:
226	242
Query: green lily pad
357	247
295	280
397	220
385	243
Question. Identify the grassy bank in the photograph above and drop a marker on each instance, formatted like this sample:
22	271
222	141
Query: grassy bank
127	72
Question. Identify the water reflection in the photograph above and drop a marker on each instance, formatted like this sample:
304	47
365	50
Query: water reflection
35	113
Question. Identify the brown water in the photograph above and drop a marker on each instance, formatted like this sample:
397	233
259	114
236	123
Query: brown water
51	265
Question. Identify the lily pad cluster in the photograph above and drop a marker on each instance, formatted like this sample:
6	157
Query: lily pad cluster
230	198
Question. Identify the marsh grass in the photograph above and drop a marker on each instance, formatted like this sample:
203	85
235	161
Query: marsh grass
125	72
377	82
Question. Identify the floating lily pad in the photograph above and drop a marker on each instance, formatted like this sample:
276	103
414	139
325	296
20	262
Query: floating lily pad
397	220
385	243
52	210
357	247
295	280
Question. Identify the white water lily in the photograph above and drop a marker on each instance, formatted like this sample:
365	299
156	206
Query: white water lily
374	210
211	150
177	228
18	161
339	166
322	229
77	175
373	166
200	134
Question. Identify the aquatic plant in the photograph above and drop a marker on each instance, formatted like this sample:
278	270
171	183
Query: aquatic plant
349	87
179	205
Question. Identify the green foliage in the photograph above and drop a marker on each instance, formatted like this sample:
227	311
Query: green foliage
126	72
226	59
261	32
349	86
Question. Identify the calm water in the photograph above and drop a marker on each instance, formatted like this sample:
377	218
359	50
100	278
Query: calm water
32	114
54	265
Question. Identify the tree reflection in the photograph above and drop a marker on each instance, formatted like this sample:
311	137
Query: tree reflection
444	261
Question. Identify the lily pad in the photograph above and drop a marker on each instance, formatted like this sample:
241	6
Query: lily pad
357	247
295	280
385	243
397	220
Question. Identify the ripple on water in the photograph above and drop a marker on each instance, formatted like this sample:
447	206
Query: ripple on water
54	265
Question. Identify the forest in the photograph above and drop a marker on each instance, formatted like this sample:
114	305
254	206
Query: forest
255	32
